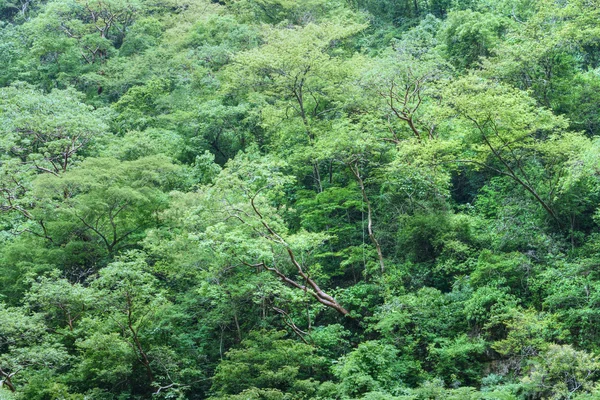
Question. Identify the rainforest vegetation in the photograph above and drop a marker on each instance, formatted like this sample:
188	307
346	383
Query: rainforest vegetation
299	199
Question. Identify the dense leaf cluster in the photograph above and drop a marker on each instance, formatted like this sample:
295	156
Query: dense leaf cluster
299	199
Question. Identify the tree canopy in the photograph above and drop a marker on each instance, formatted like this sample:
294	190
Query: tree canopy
299	199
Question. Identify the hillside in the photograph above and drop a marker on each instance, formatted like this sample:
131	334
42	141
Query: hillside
299	199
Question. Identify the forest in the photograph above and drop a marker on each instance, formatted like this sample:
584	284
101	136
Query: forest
299	199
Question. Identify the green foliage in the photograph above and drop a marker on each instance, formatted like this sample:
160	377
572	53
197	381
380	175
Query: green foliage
26	349
267	362
454	359
562	371
372	366
470	35
299	199
105	200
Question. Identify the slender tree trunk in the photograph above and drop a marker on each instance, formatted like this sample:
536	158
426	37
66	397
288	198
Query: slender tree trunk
299	94
143	357
237	325
356	172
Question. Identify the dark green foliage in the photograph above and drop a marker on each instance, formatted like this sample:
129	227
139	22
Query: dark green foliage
266	361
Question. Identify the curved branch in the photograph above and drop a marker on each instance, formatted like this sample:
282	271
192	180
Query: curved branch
311	286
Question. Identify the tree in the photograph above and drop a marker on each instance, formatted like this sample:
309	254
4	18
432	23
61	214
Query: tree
61	303
105	199
267	362
561	372
371	367
503	130
25	347
470	35
246	201
130	297
401	84
296	71
42	134
96	26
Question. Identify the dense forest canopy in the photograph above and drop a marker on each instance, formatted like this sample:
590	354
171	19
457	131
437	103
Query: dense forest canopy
299	199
